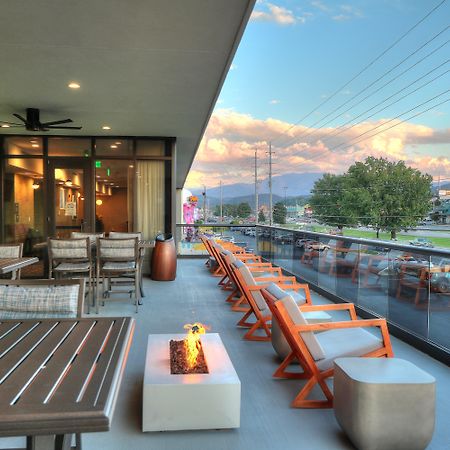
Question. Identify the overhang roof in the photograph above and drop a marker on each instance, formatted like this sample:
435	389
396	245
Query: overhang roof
146	67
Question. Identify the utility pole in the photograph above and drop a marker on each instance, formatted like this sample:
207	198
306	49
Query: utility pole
221	203
256	186
204	204
270	185
285	188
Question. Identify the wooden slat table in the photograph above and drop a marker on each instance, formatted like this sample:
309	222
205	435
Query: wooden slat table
60	377
8	265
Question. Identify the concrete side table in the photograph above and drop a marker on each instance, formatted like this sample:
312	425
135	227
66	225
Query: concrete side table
279	342
384	403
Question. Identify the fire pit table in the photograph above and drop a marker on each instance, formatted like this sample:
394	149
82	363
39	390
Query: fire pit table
189	401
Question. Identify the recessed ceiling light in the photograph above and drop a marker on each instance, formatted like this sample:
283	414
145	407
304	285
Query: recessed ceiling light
33	141
74	85
131	166
113	146
118	143
5	125
35	145
106	127
98	176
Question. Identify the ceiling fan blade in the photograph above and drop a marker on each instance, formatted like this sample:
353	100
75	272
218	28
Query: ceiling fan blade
20	117
11	123
62	128
57	122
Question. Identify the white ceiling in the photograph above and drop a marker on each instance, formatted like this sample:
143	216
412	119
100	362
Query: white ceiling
146	67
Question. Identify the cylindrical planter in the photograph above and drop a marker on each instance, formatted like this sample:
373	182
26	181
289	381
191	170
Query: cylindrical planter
164	258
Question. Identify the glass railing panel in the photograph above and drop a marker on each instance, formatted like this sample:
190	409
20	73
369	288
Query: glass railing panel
190	244
328	249
344	268
371	276
263	242
408	291
282	246
439	307
304	252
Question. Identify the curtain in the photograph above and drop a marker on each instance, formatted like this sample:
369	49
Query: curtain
150	198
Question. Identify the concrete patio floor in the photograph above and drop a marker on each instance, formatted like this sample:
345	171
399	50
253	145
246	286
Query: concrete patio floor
267	421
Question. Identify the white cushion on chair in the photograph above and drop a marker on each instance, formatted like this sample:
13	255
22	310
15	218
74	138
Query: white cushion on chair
72	267
118	265
310	339
343	342
250	281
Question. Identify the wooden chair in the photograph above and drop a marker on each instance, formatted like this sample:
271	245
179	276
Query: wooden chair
72	258
12	251
27	299
257	307
413	277
316	352
118	258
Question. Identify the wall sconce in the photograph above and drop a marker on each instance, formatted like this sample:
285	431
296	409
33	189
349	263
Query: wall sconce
35	185
98	202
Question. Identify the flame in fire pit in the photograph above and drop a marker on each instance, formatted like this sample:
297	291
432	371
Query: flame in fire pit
191	341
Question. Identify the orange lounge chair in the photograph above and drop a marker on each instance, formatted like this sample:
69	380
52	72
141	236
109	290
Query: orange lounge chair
257	306
316	352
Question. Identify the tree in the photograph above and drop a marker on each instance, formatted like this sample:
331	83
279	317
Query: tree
261	216
244	210
279	213
331	203
387	195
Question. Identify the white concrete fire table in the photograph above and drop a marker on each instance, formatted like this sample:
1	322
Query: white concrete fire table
192	401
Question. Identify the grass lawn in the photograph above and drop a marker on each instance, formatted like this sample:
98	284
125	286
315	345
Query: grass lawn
438	242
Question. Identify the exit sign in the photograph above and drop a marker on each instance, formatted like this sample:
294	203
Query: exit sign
98	164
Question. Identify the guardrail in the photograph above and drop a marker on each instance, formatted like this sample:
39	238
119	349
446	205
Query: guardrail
408	285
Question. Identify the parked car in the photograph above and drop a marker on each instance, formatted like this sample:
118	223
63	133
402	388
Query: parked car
422	242
440	280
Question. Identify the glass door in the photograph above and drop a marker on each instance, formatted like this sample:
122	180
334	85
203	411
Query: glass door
70	207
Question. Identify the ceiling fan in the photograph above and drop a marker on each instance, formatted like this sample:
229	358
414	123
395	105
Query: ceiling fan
32	122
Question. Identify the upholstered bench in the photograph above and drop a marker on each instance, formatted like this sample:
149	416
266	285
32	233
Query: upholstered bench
384	403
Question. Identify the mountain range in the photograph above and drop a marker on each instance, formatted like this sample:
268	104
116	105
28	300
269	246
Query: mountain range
296	183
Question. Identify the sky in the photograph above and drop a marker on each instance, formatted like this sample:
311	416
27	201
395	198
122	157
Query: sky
328	83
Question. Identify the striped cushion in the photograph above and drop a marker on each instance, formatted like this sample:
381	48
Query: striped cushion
116	265
68	248
17	302
120	235
72	267
9	251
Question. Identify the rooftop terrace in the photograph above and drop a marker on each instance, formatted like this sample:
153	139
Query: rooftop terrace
267	421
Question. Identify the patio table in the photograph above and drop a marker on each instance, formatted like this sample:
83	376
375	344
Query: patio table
60	377
8	265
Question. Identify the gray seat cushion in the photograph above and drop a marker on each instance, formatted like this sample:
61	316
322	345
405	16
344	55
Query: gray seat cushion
345	342
119	265
250	281
73	267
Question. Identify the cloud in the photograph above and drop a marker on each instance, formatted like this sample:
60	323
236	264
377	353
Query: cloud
320	5
341	18
341	13
227	149
233	66
277	14
274	101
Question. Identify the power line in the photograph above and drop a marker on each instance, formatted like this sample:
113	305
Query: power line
395	125
319	155
362	70
305	133
334	133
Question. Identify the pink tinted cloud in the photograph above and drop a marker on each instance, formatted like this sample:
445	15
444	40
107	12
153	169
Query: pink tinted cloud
227	149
